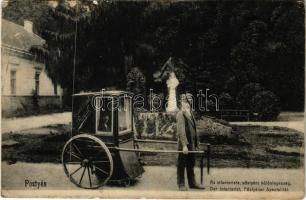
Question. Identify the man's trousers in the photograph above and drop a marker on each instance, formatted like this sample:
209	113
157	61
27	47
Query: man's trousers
186	161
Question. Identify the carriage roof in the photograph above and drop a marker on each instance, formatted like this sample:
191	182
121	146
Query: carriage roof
105	93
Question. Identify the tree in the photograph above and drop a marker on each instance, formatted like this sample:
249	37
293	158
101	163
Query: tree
226	101
36	11
224	45
286	53
266	105
246	94
136	81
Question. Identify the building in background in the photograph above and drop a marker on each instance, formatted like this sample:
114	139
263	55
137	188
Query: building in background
25	83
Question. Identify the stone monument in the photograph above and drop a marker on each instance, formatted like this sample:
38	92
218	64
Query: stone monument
172	84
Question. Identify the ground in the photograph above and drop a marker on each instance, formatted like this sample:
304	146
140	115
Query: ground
155	178
34	154
24	123
247	146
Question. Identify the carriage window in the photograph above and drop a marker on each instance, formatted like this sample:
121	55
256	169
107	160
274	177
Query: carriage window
125	115
104	119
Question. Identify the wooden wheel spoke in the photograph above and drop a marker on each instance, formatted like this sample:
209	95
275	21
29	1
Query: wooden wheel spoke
72	162
101	170
74	155
76	147
75	171
89	177
101	161
85	152
98	157
82	175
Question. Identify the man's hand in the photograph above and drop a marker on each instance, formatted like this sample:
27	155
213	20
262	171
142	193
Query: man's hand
185	150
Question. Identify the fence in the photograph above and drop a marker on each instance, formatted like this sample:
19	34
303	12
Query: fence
235	115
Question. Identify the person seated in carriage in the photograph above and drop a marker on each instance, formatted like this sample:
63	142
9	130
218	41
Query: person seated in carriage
104	124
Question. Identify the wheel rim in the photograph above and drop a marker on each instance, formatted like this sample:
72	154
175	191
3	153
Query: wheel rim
87	161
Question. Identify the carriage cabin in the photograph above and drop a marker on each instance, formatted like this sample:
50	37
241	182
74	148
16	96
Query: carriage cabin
107	114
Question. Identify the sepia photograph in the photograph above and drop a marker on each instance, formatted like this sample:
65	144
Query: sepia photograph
153	99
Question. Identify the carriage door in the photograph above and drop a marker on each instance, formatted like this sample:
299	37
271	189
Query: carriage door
125	115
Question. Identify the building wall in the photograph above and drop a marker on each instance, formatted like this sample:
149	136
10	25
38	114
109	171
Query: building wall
22	101
13	106
25	77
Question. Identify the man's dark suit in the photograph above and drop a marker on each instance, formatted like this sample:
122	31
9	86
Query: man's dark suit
187	136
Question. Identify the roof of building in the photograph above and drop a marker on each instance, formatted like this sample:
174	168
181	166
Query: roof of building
17	36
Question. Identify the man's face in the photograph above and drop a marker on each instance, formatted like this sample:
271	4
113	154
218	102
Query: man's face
185	106
105	118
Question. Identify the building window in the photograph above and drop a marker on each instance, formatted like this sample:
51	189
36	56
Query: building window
55	88
13	82
37	73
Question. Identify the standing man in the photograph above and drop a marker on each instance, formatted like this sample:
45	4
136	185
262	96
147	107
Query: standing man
188	140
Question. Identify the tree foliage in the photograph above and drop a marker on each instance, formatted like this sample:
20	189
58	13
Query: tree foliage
136	81
33	10
225	45
266	105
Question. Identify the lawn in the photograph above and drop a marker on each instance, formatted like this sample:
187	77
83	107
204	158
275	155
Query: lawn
247	146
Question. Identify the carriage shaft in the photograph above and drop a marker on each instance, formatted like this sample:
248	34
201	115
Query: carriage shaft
154	150
162	141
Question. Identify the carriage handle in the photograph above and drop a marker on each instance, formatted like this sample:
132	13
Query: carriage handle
171	151
153	150
175	142
163	141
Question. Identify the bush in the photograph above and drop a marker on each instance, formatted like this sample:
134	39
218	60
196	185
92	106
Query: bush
217	120
35	102
266	105
136	81
209	126
226	101
247	92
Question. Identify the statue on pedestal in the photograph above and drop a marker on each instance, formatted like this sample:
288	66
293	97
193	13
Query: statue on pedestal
172	84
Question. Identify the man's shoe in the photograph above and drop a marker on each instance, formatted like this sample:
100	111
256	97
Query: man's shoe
182	188
197	186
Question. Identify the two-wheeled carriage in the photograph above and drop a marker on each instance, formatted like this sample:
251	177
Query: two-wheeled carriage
102	146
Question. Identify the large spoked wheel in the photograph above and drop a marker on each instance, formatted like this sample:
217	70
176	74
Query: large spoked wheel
87	161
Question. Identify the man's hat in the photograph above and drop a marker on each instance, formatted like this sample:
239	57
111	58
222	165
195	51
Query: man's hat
187	97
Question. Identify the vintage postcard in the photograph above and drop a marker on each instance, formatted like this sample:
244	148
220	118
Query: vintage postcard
152	99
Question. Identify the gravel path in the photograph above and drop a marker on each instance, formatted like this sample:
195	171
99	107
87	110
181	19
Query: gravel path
296	125
155	178
18	124
24	123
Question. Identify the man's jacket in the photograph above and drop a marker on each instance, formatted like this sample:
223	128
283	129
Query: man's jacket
186	131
